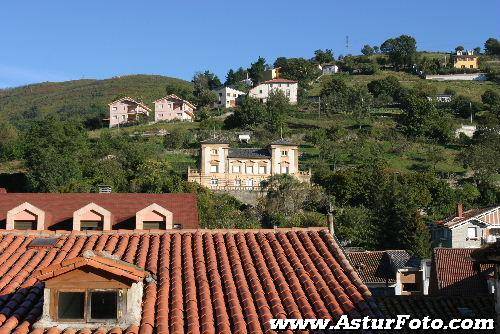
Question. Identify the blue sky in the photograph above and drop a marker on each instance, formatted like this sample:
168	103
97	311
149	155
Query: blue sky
56	40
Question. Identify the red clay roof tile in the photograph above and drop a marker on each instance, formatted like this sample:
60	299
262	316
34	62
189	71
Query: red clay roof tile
59	208
206	282
453	273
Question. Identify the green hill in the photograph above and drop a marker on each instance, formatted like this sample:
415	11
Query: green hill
87	96
471	89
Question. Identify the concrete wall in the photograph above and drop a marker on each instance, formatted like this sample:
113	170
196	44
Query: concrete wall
463	77
459	237
227	97
262	91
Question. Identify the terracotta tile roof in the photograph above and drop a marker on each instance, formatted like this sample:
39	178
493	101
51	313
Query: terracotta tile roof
445	308
470	214
278	80
129	99
206	282
59	208
453	273
377	267
173	97
99	260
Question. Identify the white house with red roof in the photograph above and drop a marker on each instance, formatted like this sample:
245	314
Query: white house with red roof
172	107
288	87
468	229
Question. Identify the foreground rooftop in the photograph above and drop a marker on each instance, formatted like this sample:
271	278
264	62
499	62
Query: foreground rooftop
204	281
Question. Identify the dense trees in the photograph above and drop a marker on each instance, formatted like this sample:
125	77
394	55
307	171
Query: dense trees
204	84
271	115
492	46
289	202
338	97
401	50
235	77
298	69
367	50
323	56
421	118
256	70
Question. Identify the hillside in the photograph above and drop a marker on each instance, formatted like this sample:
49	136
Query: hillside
85	96
470	89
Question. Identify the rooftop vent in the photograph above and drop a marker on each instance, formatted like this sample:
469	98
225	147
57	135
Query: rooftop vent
104	189
43	243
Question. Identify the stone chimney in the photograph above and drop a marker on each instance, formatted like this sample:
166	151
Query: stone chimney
330	223
460	210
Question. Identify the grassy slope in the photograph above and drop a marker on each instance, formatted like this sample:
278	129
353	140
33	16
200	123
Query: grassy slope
472	89
82	94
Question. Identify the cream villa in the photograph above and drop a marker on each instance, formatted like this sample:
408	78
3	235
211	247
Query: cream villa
126	110
226	168
172	107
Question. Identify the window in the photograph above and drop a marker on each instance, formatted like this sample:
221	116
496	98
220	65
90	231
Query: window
410	287
228	94
285	170
71	305
89	225
115	117
115	108
177	226
472	66
463	66
214	168
262	169
214	182
288	92
249	170
260	91
123	117
250	183
103	304
214	151
284	153
154	225
25	224
237	183
220	94
236	169
88	305
472	232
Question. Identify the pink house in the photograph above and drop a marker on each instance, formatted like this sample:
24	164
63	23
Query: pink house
126	110
172	107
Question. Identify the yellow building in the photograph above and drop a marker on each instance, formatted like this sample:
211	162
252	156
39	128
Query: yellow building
465	59
225	168
273	73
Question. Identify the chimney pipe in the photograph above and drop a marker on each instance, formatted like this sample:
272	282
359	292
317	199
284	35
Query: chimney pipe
460	210
330	223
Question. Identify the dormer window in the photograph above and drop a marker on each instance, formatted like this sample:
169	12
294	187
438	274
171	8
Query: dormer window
91	289
25	217
153	217
88	305
92	217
